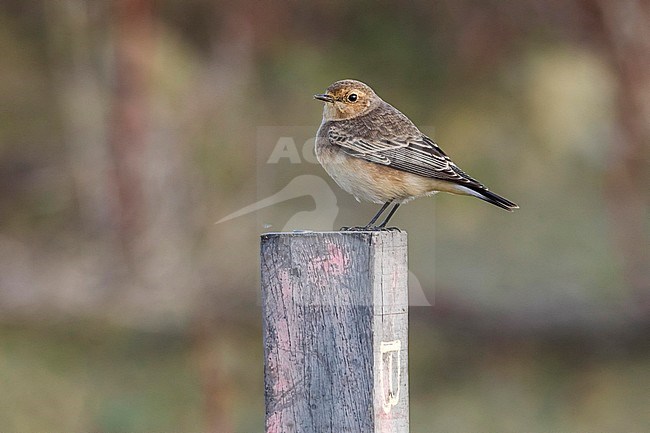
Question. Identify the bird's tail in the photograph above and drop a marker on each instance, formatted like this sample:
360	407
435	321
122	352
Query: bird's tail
493	198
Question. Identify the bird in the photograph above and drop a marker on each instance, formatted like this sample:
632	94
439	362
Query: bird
378	155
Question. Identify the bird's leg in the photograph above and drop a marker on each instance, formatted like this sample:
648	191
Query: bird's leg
376	217
370	225
390	215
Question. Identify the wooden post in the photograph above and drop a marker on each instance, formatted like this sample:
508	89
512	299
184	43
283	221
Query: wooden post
335	320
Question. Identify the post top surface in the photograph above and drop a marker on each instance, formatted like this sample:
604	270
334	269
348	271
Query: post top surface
355	233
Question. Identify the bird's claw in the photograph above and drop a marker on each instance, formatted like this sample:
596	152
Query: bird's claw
353	229
370	229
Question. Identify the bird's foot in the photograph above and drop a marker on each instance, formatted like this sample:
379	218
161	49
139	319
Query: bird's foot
370	229
353	229
387	229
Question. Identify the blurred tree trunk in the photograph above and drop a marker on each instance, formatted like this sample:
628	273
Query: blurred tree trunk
73	43
129	129
626	27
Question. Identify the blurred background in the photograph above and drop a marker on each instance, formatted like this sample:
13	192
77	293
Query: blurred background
128	128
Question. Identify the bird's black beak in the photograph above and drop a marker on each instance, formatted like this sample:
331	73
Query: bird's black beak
324	97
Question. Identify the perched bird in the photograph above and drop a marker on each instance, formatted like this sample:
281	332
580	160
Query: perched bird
375	153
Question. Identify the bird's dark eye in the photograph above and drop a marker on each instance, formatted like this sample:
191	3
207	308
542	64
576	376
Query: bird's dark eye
352	97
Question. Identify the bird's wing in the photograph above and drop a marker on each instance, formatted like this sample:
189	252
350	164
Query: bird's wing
368	149
416	154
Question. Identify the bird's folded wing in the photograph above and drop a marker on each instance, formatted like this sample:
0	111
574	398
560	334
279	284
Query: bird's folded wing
414	154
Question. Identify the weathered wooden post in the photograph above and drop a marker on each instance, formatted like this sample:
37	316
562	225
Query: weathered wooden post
335	319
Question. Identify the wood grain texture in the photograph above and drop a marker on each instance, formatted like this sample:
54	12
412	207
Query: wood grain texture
335	324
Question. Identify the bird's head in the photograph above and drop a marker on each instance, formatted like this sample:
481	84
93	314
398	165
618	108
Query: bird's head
347	99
